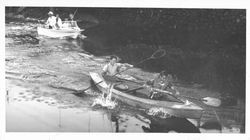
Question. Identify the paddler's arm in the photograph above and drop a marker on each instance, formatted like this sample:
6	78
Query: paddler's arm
104	70
128	65
173	90
47	21
123	67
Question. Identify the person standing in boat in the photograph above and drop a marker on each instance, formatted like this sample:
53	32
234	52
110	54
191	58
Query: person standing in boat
51	21
58	22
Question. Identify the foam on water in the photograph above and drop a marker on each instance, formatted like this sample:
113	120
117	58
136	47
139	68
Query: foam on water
105	102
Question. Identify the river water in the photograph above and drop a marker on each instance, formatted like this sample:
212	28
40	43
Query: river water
42	74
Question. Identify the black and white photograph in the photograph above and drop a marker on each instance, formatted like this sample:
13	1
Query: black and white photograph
125	69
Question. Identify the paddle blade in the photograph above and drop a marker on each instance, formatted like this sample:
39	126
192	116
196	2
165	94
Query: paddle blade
212	101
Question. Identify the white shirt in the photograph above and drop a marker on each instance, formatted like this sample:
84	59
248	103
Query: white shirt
51	21
111	69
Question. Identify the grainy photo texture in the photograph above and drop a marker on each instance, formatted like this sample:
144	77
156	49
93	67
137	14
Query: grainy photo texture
168	70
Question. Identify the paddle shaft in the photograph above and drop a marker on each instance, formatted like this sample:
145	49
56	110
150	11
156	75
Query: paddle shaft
89	87
141	87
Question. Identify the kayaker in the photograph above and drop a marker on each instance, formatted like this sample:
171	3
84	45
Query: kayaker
51	21
112	68
58	22
162	82
109	72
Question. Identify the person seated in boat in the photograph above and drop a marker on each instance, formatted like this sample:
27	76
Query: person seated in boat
113	68
72	22
161	82
71	17
109	72
51	21
58	22
66	23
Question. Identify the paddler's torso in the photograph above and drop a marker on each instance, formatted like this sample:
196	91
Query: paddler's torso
111	69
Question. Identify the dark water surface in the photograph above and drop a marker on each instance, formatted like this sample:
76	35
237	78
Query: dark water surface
186	55
42	75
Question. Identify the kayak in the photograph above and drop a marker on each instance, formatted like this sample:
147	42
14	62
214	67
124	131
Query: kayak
59	33
139	98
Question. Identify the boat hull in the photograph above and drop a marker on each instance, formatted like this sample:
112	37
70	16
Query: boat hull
62	33
173	108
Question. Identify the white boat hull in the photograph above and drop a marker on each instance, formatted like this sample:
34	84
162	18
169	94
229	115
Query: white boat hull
59	33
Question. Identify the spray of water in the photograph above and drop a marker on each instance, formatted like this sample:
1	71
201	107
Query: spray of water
159	112
105	101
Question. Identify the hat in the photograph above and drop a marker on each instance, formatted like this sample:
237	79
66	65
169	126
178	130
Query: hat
50	13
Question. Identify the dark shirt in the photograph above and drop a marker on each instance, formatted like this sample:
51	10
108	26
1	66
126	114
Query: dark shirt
162	83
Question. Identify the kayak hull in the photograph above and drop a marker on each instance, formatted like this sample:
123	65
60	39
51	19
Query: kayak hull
59	33
173	108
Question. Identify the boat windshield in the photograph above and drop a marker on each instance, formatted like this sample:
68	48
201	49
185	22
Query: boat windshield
69	24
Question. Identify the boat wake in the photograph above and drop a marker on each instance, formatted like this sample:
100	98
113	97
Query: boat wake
159	112
104	102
